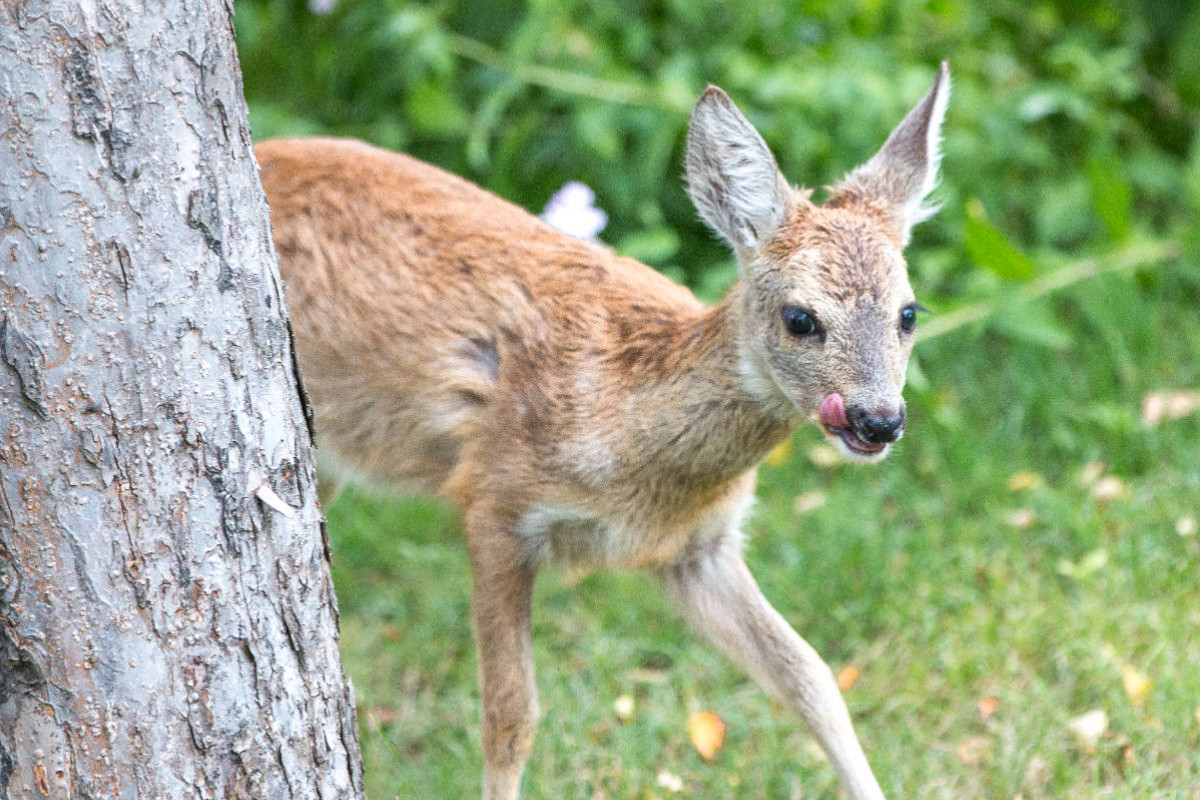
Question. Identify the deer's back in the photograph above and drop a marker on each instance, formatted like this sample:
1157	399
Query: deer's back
439	325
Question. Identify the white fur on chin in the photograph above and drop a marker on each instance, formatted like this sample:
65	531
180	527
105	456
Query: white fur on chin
853	455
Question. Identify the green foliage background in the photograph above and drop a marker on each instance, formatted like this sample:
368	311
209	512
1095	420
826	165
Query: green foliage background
1071	149
1066	117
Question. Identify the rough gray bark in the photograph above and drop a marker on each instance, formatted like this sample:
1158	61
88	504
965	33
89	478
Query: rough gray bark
164	632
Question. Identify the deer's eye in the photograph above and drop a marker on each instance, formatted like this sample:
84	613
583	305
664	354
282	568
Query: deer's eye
908	317
800	321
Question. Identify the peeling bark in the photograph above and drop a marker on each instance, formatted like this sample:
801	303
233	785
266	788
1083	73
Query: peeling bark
163	632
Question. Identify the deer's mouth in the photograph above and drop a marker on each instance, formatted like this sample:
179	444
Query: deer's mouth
832	415
852	441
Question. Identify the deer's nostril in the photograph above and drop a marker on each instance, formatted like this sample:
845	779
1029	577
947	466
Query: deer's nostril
876	428
881	429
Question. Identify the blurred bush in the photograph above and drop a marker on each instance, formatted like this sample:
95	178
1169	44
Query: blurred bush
1072	127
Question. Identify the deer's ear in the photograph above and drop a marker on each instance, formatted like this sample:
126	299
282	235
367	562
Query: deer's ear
731	175
899	178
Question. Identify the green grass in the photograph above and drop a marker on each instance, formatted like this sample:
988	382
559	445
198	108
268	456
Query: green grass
911	571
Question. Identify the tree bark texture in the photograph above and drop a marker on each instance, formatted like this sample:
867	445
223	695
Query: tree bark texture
167	622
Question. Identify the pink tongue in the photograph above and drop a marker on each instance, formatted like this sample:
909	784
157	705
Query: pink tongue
833	411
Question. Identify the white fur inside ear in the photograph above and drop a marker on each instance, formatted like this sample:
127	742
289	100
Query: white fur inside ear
919	207
904	172
731	175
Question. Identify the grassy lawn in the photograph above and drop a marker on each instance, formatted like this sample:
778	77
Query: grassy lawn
938	575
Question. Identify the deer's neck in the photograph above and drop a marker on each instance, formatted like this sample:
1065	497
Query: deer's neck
710	414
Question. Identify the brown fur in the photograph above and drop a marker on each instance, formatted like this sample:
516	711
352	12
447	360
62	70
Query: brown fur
575	404
402	391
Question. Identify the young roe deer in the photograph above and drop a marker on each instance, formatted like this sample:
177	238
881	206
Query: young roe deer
576	405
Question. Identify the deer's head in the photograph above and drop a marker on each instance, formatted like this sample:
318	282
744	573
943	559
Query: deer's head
825	311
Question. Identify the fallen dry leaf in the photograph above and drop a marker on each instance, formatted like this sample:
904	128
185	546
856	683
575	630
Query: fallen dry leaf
1169	405
1089	474
846	677
974	750
809	501
1186	525
670	781
1024	480
1088	728
707	731
1110	487
1137	684
987	707
623	707
1022	518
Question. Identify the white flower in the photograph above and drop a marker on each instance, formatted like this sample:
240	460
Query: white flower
571	211
321	7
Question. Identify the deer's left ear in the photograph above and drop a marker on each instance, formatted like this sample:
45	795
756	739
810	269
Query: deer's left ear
899	178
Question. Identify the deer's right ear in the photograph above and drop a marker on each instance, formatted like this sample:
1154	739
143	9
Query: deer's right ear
731	175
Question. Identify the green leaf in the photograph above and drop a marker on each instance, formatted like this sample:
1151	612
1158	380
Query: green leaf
599	127
916	376
1033	323
269	119
654	245
434	110
1191	175
991	249
486	120
1111	195
715	281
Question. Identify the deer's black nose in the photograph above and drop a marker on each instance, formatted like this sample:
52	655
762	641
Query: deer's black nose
885	425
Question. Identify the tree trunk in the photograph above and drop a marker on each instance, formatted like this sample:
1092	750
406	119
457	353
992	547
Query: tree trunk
167	621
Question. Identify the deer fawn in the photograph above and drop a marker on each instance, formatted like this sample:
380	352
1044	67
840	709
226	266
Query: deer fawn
576	405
